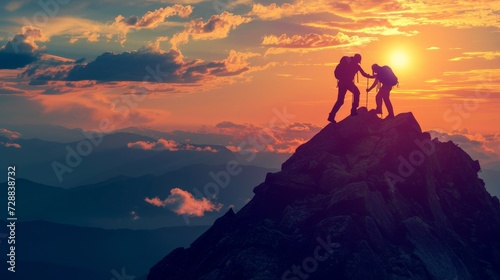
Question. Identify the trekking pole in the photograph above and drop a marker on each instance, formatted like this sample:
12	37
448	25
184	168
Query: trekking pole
367	79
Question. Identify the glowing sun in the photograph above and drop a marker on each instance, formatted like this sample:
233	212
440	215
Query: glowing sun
399	59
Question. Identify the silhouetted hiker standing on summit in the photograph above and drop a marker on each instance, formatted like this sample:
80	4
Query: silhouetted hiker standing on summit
384	75
345	72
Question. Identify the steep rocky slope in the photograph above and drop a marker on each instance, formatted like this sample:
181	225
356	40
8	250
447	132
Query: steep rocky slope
364	199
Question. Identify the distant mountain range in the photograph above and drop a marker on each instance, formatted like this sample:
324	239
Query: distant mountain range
492	181
84	162
36	159
57	133
109	204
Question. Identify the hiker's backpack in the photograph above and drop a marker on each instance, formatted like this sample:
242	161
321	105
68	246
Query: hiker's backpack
344	68
386	76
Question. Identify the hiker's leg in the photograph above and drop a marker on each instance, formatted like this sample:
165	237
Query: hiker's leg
340	99
388	103
378	101
355	103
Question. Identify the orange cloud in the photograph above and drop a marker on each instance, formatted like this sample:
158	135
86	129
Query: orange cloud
149	20
217	27
22	48
8	145
488	55
365	25
89	35
253	138
34	34
483	147
489	78
274	12
459	14
184	203
154	201
238	60
9	134
120	104
359	9
311	41
77	28
462	14
10	88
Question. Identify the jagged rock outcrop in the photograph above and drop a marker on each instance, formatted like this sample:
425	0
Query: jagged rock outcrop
363	199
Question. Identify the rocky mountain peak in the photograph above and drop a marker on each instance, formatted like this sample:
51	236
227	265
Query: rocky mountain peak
365	198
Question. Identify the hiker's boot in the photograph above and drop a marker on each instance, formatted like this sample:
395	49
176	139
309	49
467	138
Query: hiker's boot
354	112
331	118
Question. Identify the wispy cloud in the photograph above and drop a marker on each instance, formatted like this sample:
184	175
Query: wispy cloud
311	41
13	5
74	28
482	147
10	145
216	27
487	55
79	28
149	20
169	145
372	26
134	216
432	81
476	77
9	134
462	14
184	203
349	9
274	11
283	140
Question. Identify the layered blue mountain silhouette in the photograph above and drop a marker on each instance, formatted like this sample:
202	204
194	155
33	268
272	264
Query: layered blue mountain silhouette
112	156
108	204
364	199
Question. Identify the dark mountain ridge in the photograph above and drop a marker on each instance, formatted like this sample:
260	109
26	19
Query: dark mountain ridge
363	199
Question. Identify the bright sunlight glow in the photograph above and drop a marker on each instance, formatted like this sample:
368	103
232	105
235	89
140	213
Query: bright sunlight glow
399	59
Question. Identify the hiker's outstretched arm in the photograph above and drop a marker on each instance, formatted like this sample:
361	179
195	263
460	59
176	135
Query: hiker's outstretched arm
373	85
366	75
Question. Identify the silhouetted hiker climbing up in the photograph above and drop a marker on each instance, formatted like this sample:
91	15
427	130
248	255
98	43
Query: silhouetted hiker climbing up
345	72
384	75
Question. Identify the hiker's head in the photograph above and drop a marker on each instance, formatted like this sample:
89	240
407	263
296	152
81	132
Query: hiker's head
357	58
375	68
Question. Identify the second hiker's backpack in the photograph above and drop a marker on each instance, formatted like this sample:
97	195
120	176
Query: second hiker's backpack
343	69
387	77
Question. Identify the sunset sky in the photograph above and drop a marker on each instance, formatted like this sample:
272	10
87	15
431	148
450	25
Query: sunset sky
205	65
